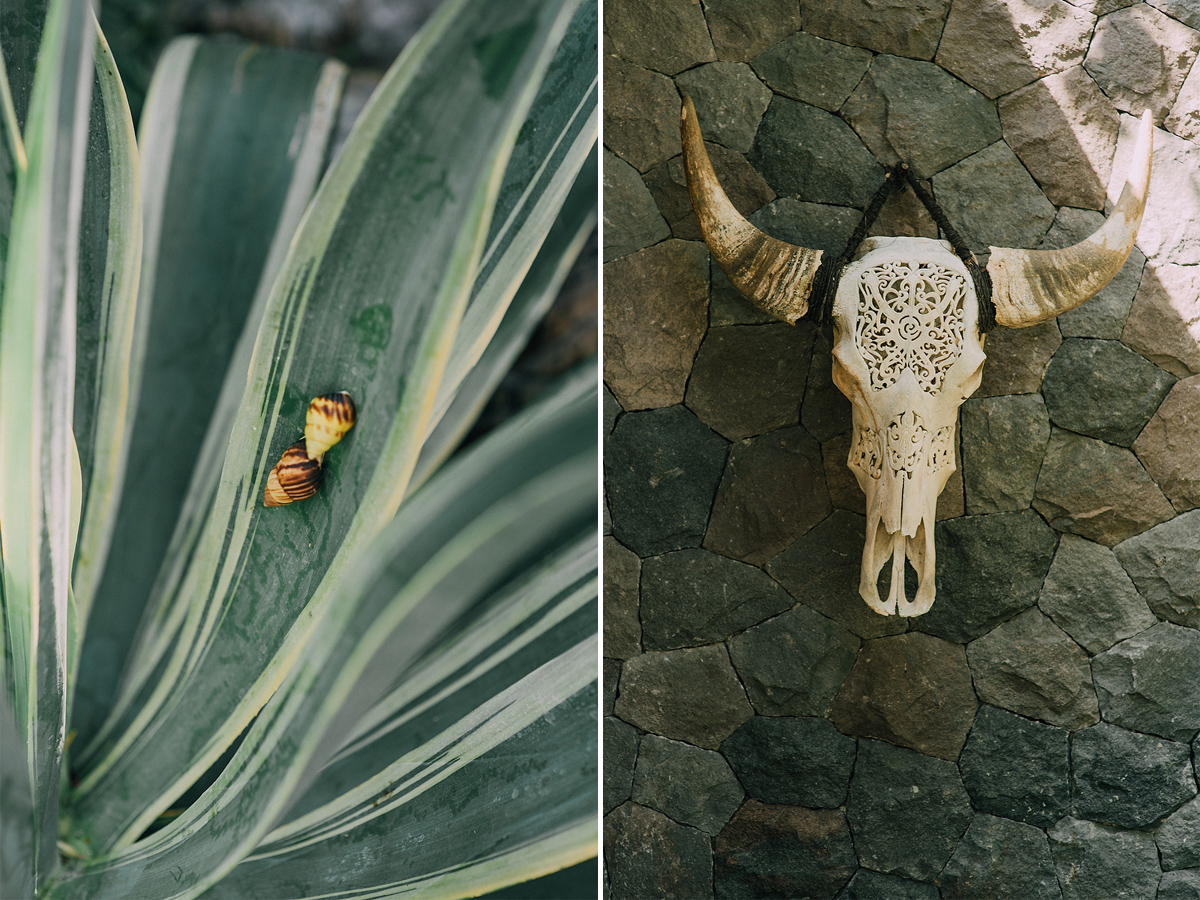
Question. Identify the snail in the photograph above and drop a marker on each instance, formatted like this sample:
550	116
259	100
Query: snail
298	473
295	477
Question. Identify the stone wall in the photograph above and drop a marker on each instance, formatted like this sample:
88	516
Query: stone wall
1035	734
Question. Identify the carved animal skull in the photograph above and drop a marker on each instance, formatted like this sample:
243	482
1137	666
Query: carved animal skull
907	345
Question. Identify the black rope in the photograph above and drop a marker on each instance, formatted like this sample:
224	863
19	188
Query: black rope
829	273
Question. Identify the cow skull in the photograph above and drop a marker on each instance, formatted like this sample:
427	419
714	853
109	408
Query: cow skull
907	345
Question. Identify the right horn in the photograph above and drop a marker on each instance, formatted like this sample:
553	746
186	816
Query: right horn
777	277
1031	286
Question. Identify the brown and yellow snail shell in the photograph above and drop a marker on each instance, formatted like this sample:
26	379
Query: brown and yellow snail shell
329	417
295	477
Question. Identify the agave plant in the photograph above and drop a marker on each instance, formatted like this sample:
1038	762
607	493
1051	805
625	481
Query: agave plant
388	689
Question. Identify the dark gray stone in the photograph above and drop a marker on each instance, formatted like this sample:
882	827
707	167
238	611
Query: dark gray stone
662	468
1000	858
826	411
988	567
612	676
634	30
690	695
742	29
793	665
1096	490
782	851
797	761
1017	359
641	114
913	690
821	570
1017	768
622	628
1024	42
844	491
1178	838
914	112
905	29
1181	885
1162	323
749	379
1094	861
1127	779
1162	563
729	100
631	220
620	755
1064	130
746	189
693	597
1030	666
992	200
612	409
1089	596
693	786
1140	58
907	810
654	320
808	153
811	70
814	225
1004	440
1103	389
868	885
773	491
1149	682
1104	315
1169	445
649	856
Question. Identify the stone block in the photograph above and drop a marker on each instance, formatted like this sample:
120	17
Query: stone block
689	695
793	665
811	154
749	379
693	597
1096	490
1102	389
1095	861
1000	858
1148	682
908	811
1017	359
1127	779
868	885
693	786
790	850
811	70
1178	838
1030	666
631	219
1184	118
622	627
730	102
914	112
1164	320
904	29
745	188
634	31
1017	768
1004	440
796	761
654	319
612	676
662	468
620	756
912	690
1169	445
742	29
1181	885
1162	563
1089	596
641	114
817	226
649	856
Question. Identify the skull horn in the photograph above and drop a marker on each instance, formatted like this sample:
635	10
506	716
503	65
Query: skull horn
777	277
1031	286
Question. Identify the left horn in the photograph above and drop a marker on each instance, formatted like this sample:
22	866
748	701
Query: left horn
1031	286
777	277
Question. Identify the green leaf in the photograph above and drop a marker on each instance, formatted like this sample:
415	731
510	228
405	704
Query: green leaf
37	373
17	836
508	501
384	261
233	140
21	23
110	256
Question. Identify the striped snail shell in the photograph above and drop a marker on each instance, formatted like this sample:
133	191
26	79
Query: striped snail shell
329	417
295	477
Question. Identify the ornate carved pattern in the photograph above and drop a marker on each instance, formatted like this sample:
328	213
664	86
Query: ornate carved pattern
906	446
910	316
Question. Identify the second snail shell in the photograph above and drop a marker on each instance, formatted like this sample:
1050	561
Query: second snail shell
298	473
329	417
295	477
